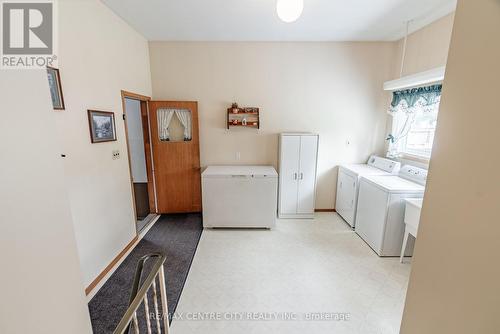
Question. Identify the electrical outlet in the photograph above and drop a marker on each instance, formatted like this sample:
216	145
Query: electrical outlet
238	156
116	154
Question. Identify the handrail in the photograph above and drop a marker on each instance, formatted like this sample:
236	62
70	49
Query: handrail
138	274
137	279
140	296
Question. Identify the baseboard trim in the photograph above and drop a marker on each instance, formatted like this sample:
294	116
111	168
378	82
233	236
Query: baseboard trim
325	210
110	266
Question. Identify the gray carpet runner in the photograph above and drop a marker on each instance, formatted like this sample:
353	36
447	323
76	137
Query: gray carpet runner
177	237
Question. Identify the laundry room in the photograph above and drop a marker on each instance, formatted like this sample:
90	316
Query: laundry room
271	166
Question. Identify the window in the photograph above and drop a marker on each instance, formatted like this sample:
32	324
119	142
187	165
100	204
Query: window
414	123
174	125
420	136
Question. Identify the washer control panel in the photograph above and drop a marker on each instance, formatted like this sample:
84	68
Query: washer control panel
387	165
415	174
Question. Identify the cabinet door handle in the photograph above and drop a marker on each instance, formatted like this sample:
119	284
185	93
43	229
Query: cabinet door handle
295	176
301	176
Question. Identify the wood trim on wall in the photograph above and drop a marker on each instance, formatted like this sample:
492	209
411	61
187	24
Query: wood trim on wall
325	210
110	266
135	96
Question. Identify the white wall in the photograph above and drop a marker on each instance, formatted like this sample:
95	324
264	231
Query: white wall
454	284
99	55
428	47
334	89
40	280
136	141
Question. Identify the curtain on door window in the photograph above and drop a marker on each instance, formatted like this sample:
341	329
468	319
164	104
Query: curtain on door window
164	119
184	117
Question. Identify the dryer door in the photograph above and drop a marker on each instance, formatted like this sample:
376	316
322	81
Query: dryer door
346	196
371	215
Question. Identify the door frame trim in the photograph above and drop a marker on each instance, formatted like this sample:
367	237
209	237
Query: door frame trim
143	99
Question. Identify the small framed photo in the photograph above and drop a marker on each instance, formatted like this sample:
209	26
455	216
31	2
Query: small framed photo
55	88
102	126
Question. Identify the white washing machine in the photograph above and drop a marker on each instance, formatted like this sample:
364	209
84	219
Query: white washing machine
381	206
348	183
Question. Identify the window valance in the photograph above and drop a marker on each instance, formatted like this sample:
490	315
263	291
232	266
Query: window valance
416	99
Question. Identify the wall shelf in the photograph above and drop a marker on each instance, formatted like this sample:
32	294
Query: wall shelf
249	115
245	125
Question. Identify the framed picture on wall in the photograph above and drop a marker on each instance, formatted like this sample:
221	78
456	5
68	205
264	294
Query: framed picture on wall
55	88
102	126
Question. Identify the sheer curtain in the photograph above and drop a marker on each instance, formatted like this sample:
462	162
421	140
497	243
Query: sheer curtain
164	118
184	117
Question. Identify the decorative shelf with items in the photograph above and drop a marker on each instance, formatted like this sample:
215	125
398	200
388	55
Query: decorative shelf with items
243	117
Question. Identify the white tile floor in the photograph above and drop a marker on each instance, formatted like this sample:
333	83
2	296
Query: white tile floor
301	267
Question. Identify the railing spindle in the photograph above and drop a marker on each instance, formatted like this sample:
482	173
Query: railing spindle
157	312
163	294
146	309
136	324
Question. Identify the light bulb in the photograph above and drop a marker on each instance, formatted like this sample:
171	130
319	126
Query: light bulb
289	10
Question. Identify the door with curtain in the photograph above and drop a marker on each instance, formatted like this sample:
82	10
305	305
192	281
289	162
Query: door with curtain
176	158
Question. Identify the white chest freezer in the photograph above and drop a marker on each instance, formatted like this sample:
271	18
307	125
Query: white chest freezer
239	196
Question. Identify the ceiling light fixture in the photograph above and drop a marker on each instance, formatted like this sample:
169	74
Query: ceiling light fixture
289	10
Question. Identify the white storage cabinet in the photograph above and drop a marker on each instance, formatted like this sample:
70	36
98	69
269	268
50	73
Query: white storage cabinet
239	196
297	175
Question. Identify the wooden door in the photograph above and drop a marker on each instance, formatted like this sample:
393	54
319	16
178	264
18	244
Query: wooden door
176	163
